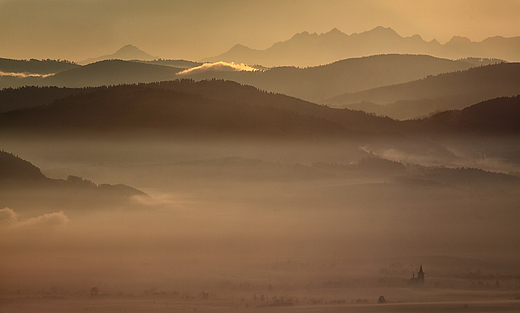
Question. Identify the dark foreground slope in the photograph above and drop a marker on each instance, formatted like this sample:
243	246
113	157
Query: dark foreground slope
500	116
31	96
436	93
14	169
187	107
226	108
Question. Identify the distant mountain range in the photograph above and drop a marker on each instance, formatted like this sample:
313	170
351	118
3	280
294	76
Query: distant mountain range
225	108
305	49
447	91
127	52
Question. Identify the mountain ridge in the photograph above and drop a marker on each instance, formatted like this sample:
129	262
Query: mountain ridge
446	91
354	74
310	49
111	72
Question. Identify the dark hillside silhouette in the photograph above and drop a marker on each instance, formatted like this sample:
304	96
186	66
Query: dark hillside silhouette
500	116
436	93
215	107
15	170
34	66
25	97
231	91
137	109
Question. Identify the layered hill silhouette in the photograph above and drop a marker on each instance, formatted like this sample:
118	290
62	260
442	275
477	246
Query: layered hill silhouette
312	84
107	72
305	49
226	108
350	75
111	72
17	73
436	93
128	52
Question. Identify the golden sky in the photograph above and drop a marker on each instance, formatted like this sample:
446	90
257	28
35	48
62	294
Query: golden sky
194	29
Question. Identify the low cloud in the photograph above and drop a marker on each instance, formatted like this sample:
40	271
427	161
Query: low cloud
9	217
24	75
219	66
50	219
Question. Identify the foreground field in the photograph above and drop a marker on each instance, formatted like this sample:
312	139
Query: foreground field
163	305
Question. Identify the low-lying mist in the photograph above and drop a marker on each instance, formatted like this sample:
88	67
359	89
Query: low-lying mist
223	213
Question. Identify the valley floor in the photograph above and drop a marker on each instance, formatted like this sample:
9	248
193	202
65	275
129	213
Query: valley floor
130	305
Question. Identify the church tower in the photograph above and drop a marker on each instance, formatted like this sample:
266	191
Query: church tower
420	276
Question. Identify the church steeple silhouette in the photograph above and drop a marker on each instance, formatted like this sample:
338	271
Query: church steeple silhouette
420	276
419	280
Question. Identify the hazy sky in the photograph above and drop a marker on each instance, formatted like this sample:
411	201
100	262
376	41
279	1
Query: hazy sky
193	29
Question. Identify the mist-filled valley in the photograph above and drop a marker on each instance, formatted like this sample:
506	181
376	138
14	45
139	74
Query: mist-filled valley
329	220
375	171
154	192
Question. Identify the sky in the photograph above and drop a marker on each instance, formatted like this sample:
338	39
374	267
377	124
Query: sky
194	29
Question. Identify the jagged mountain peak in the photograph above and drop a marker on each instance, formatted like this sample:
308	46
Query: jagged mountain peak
312	49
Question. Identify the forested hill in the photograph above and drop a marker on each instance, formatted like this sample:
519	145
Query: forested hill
349	75
18	173
448	91
500	116
214	107
12	168
34	66
31	96
226	108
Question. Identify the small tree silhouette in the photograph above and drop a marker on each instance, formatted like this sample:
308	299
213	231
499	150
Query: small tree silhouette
94	292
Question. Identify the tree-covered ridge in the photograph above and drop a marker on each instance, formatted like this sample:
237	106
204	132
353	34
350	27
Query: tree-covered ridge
218	107
13	168
34	66
455	90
